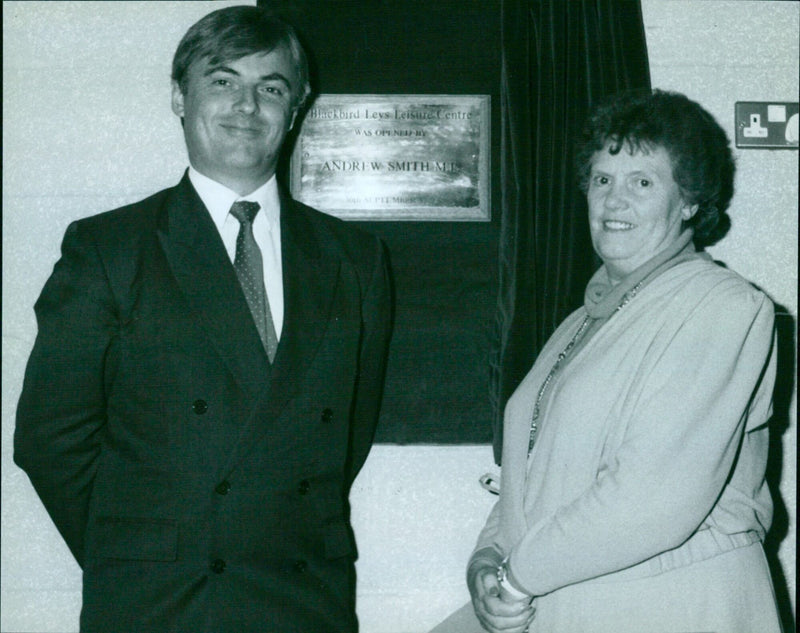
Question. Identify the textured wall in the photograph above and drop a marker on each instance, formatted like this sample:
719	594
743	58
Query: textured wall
718	53
88	127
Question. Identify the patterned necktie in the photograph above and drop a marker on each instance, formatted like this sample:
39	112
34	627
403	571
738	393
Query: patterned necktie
250	270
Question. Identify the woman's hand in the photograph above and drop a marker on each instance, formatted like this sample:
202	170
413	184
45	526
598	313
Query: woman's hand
496	610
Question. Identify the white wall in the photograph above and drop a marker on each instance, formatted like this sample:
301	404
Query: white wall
719	52
88	127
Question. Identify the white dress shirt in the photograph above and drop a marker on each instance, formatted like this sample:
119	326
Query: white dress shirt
266	230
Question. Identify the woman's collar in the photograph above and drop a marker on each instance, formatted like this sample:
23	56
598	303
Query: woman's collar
602	297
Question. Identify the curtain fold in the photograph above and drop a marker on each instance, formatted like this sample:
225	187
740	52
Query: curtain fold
558	59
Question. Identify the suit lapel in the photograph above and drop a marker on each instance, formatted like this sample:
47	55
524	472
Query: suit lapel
309	285
203	271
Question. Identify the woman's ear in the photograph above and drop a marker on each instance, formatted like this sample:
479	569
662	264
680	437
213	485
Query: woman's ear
688	211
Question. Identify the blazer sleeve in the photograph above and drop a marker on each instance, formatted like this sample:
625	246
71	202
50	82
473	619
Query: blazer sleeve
62	412
376	332
698	399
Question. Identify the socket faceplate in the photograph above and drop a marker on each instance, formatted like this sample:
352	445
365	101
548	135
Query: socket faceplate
767	124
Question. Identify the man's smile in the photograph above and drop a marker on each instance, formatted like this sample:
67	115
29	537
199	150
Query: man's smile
241	130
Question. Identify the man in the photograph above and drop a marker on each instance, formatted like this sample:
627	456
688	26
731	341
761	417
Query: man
206	378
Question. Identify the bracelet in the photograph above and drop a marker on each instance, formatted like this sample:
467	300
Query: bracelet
505	583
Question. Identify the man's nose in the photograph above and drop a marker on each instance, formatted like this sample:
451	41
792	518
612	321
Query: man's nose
246	100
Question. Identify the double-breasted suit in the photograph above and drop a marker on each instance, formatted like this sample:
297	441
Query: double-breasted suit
200	488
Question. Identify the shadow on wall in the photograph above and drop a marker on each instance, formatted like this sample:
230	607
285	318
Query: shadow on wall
782	402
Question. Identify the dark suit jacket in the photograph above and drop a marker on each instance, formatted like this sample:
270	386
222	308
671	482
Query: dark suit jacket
200	488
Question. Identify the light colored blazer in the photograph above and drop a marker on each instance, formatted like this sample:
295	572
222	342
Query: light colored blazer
652	447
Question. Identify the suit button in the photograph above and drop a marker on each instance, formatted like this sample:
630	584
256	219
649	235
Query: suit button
304	487
327	415
300	566
223	487
199	407
217	566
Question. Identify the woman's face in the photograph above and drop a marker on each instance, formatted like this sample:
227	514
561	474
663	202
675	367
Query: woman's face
635	207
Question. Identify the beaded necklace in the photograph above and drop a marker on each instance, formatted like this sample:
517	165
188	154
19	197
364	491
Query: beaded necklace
560	359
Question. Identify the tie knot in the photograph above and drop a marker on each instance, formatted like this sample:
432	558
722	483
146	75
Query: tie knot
245	211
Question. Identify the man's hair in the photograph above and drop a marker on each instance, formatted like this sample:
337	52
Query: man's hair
234	32
699	150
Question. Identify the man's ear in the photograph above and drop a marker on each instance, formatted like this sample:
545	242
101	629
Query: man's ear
177	99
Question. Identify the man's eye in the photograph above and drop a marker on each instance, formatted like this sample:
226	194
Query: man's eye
221	82
600	180
644	182
272	90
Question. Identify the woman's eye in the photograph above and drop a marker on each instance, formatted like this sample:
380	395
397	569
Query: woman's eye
644	182
600	180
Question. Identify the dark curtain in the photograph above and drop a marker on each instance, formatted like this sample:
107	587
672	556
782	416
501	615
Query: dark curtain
558	58
444	273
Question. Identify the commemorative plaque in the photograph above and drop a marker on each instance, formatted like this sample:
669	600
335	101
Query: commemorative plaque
395	157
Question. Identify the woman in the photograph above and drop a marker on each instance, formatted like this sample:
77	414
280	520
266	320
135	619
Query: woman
633	495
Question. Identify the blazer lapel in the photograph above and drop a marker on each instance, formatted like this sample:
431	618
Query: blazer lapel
309	285
203	271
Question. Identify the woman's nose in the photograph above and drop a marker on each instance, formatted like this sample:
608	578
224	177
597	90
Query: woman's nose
616	198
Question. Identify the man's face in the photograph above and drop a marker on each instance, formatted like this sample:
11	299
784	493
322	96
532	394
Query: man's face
236	115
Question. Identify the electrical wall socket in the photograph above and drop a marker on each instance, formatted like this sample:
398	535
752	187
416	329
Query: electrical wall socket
767	124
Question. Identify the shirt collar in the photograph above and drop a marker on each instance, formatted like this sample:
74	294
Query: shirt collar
219	199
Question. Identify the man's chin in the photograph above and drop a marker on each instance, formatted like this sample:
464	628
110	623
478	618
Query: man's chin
248	164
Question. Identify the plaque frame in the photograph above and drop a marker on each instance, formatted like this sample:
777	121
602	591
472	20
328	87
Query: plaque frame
420	157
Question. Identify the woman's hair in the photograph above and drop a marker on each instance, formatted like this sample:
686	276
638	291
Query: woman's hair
702	162
234	32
